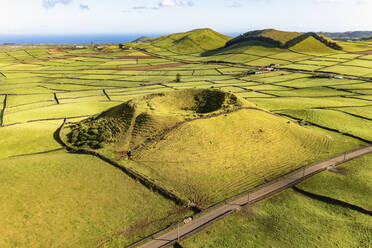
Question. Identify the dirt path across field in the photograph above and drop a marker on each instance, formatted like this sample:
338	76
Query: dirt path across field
208	217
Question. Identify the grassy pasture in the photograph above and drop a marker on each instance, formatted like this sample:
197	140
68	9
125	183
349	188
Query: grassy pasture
359	62
290	56
58	111
85	200
18	75
190	84
302	66
287	220
77	196
312	46
366	97
306	103
363	91
314	82
361	111
27	90
27	107
349	70
96	98
319	62
345	123
267	62
350	183
266	87
181	170
22	67
36	137
310	91
17	100
275	78
354	85
24	81
252	94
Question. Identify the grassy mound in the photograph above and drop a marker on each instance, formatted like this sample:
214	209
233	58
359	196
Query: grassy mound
275	37
141	120
187	141
312	46
143	39
283	39
195	41
209	160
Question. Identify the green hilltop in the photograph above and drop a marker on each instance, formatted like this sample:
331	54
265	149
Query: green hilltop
143	39
188	140
142	119
282	39
276	37
195	41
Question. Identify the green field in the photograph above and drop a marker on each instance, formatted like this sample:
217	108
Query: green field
293	220
61	199
76	201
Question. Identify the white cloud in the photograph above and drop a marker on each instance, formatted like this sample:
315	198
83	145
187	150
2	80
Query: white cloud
174	3
48	4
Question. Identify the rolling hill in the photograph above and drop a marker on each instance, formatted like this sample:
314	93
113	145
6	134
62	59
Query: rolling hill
202	145
272	36
311	45
283	39
195	41
143	119
143	39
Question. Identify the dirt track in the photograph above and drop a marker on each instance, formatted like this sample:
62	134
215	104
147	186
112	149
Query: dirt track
209	217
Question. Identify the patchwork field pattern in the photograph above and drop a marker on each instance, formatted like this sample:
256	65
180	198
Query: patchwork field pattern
328	93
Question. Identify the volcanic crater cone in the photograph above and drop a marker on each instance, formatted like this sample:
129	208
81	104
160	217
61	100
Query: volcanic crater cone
142	119
202	145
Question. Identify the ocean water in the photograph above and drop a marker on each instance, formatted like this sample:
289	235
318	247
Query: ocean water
71	39
75	38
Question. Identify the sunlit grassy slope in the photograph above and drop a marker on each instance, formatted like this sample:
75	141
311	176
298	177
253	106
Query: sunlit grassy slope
195	41
293	220
232	152
312	46
277	35
69	200
130	125
41	82
350	182
209	160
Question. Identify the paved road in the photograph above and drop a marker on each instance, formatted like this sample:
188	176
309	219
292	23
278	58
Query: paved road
204	220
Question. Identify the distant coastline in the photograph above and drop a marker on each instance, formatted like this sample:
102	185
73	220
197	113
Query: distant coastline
22	39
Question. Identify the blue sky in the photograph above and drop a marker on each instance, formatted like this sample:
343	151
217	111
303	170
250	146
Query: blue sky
167	16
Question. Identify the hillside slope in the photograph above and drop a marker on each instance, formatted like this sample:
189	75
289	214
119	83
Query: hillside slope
140	120
195	41
203	145
311	45
282	39
275	37
143	39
